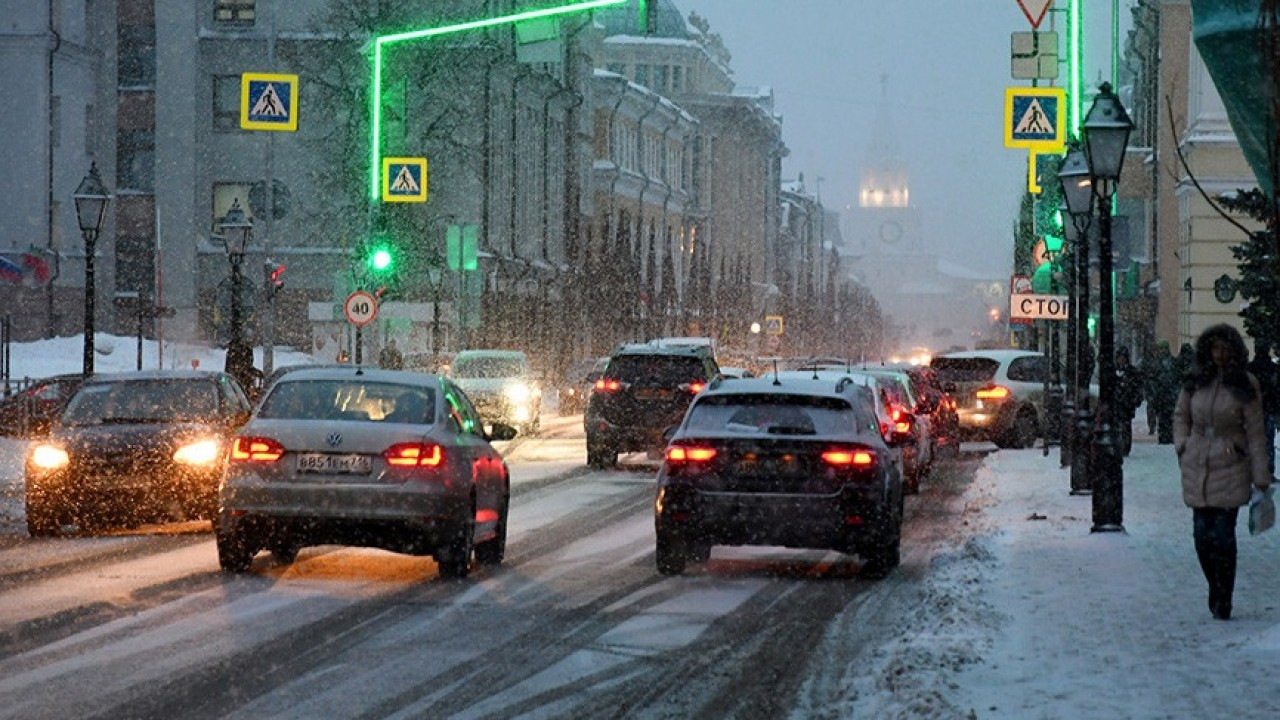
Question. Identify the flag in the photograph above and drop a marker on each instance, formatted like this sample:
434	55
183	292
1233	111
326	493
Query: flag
9	271
33	260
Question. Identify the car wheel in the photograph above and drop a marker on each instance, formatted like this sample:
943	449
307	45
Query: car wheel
455	558
285	551
670	553
235	550
1024	432
492	551
601	457
42	520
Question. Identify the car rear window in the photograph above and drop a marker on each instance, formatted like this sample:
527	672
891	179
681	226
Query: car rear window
488	367
143	401
757	414
975	369
663	369
1032	368
349	400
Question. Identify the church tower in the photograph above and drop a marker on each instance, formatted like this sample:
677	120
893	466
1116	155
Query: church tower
888	223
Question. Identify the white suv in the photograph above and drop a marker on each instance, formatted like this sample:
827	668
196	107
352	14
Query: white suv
501	386
999	394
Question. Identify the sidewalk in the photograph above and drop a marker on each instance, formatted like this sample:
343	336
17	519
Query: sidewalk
1112	625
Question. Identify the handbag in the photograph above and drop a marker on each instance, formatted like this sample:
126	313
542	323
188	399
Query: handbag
1262	511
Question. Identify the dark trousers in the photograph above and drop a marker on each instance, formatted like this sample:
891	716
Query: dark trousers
1215	535
1164	426
1271	421
1124	435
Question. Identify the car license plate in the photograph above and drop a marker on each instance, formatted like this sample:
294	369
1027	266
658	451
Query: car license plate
335	464
653	394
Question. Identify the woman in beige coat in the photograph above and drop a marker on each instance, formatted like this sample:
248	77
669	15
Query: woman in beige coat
1218	432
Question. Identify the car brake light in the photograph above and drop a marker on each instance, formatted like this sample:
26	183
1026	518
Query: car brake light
256	449
994	392
414	455
694	387
603	385
684	453
860	458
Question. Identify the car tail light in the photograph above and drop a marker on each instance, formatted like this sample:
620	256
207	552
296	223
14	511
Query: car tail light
256	449
993	392
901	420
694	387
849	458
414	455
603	385
689	453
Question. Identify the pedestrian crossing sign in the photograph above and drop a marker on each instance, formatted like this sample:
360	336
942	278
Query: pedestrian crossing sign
404	179
269	102
1035	118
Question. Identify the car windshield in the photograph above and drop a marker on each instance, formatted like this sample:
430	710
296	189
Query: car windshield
488	367
349	400
757	414
143	401
664	369
974	369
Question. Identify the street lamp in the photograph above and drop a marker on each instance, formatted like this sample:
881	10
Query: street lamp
1106	135
1077	193
236	230
91	205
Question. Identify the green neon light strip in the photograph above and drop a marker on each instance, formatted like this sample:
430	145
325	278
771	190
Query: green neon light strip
385	40
1077	50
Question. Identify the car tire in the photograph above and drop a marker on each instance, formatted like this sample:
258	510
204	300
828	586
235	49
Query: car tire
42	520
454	558
670	553
880	558
284	551
492	551
1023	432
235	550
601	457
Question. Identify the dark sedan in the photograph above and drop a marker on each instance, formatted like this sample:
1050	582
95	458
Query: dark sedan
779	461
134	447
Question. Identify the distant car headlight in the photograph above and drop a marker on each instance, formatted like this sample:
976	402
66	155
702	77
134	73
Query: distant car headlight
518	392
200	452
49	457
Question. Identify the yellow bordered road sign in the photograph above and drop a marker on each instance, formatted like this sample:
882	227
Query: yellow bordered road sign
404	179
1035	118
269	102
773	324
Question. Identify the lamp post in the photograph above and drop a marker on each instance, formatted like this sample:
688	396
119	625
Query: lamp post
1066	423
91	205
1077	192
236	231
1106	135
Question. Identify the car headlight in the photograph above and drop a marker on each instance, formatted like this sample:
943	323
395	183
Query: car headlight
200	452
519	392
49	457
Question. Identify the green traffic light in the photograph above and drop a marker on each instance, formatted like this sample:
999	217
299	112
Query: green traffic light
380	259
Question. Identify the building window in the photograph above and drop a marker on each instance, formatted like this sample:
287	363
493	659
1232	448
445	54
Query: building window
238	12
136	64
226	103
135	160
135	271
642	75
676	79
662	75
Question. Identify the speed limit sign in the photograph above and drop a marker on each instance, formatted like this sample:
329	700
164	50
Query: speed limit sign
360	308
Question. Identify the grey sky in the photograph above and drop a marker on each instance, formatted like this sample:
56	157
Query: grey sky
947	65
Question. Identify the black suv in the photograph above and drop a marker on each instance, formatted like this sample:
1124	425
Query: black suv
643	391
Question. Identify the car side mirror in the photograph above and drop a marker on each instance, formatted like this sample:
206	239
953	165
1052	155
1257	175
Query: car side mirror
669	432
500	431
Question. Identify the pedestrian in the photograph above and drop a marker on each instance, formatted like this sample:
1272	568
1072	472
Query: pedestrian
1162	383
1219	439
1128	398
390	357
1264	369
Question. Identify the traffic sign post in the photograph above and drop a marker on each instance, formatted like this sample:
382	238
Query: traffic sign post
1035	119
361	308
269	101
404	179
773	324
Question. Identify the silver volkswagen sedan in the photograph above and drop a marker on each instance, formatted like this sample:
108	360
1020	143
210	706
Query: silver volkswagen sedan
389	459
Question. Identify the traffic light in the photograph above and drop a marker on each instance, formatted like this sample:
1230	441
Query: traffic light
382	266
275	277
381	260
